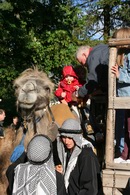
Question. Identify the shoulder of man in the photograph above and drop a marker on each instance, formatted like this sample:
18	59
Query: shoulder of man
101	45
88	152
99	48
99	55
87	149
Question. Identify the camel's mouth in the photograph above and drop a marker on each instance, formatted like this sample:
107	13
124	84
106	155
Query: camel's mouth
25	105
39	103
27	100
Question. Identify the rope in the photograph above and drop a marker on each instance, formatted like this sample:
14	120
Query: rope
52	116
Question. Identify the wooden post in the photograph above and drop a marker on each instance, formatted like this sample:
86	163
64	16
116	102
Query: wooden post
116	175
110	127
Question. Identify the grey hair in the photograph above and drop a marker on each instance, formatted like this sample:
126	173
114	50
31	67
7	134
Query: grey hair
81	50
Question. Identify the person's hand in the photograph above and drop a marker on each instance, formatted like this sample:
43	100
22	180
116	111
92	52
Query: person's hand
59	168
76	87
115	71
77	99
74	96
63	94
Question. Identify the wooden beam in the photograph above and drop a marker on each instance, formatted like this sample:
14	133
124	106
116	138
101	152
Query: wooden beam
121	178
109	191
118	102
111	77
110	134
110	125
118	42
115	176
118	166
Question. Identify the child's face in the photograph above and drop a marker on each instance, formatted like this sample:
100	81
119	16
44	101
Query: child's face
69	78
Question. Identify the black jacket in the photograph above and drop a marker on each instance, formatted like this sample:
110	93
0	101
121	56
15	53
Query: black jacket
85	178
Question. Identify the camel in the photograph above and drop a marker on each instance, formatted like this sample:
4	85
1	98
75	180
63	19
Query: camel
33	91
7	145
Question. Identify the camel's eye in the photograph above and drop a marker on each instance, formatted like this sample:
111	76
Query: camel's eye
16	87
47	89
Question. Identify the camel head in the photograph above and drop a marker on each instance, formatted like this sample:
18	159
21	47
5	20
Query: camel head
33	90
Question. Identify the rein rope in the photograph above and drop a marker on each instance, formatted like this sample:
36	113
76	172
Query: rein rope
36	120
52	116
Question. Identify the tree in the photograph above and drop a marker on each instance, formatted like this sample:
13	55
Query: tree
46	33
103	16
35	33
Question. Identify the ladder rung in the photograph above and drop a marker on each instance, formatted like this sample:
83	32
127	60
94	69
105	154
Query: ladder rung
118	42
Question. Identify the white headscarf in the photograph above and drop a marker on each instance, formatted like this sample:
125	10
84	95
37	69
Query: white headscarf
70	128
36	177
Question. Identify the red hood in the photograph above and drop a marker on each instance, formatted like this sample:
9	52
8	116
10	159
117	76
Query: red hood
68	70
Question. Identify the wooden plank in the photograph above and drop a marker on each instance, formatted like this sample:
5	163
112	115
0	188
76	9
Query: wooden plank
121	181
117	192
113	104
110	125
118	42
118	166
115	178
111	77
110	191
107	191
107	178
118	172
110	134
119	102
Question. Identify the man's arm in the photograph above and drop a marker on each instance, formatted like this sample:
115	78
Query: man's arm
88	88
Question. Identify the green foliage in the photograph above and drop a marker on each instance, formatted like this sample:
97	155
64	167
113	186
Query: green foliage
36	33
103	16
47	33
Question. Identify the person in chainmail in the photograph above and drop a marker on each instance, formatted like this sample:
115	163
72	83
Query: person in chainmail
38	175
80	165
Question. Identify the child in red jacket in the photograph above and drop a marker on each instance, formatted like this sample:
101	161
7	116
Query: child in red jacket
67	85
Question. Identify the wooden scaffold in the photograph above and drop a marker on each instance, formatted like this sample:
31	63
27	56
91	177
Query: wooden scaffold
115	175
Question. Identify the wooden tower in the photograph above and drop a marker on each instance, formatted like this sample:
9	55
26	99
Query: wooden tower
115	175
